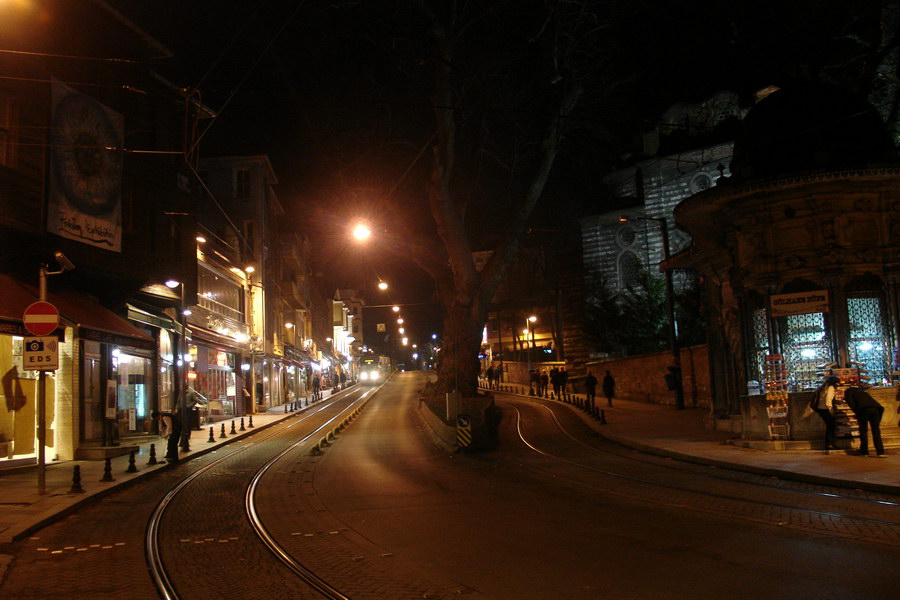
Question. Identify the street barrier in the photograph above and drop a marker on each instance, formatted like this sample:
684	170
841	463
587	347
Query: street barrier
212	436
152	460
132	468
76	481
242	424
222	434
251	421
107	470
233	430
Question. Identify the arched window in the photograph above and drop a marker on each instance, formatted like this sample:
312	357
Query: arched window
629	270
805	341
868	340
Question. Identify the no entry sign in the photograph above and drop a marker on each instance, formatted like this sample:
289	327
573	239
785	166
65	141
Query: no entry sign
41	318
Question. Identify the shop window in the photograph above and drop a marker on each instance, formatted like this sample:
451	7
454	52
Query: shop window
805	345
134	382
868	341
242	183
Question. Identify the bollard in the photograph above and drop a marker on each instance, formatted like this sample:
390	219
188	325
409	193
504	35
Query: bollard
602	418
251	421
233	430
152	460
285	409
330	436
107	470
212	436
76	481
132	468
222	433
242	424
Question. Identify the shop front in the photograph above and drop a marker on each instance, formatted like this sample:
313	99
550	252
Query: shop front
214	381
799	266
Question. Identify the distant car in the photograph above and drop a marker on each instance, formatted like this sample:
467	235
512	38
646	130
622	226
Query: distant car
370	376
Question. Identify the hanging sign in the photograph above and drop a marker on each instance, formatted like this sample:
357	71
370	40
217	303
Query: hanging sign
40	353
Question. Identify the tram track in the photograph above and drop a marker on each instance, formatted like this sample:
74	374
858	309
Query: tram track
160	572
755	498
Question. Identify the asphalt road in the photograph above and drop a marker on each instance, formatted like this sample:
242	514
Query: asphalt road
555	513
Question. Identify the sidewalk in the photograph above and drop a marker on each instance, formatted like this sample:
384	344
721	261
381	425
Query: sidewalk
653	428
23	510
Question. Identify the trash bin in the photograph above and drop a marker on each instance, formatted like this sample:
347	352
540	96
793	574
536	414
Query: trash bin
195	418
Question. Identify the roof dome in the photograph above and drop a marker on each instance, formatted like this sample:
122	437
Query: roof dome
809	127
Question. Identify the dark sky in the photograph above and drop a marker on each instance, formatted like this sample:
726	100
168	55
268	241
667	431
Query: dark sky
333	93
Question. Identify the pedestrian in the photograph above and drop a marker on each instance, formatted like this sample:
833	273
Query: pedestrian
590	389
563	379
316	383
343	380
823	404
554	380
609	387
868	414
544	379
170	430
489	373
534	382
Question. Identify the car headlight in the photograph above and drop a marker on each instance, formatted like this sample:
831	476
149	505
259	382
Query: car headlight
364	375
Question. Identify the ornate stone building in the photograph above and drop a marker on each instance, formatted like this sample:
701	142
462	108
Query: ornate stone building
798	251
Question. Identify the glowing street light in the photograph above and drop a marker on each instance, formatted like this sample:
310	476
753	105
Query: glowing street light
361	232
400	321
382	285
395	308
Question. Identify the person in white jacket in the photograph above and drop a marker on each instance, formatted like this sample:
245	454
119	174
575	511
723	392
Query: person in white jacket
823	404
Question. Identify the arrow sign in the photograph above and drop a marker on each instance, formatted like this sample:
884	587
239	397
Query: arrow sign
41	318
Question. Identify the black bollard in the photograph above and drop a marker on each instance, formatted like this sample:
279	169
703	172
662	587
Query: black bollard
222	434
285	409
212	436
242	424
152	460
76	481
107	470
132	468
602	418
233	430
251	421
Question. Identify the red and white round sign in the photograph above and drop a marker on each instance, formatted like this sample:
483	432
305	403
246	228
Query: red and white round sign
41	318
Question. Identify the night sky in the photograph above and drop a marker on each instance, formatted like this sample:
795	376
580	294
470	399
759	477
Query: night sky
336	93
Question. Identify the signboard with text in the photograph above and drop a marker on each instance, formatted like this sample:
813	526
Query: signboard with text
801	303
40	353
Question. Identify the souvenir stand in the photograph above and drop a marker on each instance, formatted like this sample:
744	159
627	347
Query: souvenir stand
777	397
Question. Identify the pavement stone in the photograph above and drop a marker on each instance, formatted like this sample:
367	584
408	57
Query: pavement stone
654	428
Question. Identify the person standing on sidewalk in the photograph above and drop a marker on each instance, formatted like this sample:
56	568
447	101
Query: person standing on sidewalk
170	429
590	389
823	404
609	387
563	380
868	413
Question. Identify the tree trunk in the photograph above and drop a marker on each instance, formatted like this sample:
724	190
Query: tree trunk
459	366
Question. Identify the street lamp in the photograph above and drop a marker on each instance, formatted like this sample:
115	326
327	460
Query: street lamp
180	368
529	327
670	309
382	285
362	232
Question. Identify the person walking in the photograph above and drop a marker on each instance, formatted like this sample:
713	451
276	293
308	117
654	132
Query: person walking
489	373
545	380
317	382
590	389
609	387
563	379
868	414
823	404
170	430
554	381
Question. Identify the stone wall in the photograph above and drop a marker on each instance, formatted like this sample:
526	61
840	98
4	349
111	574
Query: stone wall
641	378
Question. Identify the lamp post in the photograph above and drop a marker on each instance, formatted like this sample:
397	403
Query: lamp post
181	370
65	265
529	327
675	369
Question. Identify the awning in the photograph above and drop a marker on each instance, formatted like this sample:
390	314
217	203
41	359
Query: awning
93	320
